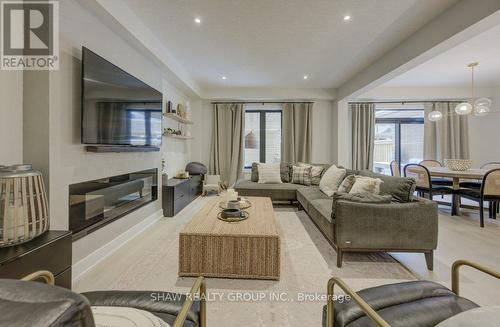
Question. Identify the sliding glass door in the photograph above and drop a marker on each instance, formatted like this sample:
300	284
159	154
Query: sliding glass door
399	135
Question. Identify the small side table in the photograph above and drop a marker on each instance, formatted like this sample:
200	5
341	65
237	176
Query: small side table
51	251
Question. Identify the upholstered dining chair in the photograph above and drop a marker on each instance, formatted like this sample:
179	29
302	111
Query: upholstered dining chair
436	180
477	184
489	192
395	170
423	180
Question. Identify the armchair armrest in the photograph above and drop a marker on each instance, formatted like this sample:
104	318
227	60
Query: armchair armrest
455	281
198	286
412	225
372	314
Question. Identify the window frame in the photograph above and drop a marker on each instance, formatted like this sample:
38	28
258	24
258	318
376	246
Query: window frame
397	126
262	130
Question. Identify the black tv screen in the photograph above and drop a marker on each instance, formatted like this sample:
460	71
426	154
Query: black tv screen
117	108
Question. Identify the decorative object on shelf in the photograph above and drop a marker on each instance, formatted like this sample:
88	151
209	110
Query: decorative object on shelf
180	111
477	107
171	131
25	209
251	141
181	174
164	175
169	106
458	164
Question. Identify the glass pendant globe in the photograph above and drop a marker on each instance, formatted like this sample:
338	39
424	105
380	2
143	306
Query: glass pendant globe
463	108
483	102
435	115
481	110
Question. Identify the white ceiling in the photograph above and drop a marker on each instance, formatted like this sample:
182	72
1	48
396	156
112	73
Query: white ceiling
273	43
450	68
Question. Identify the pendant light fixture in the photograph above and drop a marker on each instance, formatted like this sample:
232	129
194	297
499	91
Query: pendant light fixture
251	141
478	107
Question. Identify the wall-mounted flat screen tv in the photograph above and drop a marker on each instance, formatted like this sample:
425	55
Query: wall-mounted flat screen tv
117	108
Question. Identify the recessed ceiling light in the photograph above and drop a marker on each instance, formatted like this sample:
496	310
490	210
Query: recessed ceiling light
347	18
197	20
224	77
306	77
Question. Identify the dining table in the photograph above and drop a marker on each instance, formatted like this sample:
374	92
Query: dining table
457	176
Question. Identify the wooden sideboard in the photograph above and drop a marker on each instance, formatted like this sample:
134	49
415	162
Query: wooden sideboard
50	251
178	193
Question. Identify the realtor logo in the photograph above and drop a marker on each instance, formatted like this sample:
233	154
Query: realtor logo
29	35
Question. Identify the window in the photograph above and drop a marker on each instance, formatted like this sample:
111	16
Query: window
262	136
399	135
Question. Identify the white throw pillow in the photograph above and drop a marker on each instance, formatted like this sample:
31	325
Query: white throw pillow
365	184
269	173
125	317
331	180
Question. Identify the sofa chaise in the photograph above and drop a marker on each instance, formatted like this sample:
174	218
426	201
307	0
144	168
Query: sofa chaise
406	224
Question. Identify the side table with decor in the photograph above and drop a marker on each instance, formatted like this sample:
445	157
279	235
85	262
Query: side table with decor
26	245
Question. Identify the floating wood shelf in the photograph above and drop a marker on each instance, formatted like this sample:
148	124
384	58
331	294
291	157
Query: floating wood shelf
180	137
178	118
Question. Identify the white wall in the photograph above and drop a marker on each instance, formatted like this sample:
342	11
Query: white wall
69	162
11	117
484	136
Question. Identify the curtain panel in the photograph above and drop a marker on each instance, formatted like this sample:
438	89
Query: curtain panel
296	136
363	135
447	138
226	155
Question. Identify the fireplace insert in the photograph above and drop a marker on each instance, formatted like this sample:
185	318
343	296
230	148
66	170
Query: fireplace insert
96	203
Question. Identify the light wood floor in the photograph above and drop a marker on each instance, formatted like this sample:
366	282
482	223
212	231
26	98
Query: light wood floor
460	237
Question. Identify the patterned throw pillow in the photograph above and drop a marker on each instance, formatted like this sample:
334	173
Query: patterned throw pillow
365	184
316	172
347	183
301	175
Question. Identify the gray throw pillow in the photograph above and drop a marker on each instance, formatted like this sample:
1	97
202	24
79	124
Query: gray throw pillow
401	188
359	198
286	172
346	185
255	172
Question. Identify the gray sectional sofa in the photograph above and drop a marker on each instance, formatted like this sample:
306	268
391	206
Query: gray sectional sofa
406	224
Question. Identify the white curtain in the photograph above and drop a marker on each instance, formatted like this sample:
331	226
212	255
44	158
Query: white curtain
447	138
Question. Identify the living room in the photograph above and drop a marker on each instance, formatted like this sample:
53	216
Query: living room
254	121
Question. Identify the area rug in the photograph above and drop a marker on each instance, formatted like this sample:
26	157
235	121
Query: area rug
149	262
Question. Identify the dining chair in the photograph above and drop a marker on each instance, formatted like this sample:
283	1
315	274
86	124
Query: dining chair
489	192
477	184
422	177
395	170
436	180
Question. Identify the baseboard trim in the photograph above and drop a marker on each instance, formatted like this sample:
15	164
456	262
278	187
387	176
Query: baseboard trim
87	263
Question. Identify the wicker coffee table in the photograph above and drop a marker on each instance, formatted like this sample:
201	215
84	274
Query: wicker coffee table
250	249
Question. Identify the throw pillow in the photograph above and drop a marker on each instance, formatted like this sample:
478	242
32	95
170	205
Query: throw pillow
286	172
359	198
365	184
125	317
255	172
316	172
401	188
301	175
331	180
347	183
269	173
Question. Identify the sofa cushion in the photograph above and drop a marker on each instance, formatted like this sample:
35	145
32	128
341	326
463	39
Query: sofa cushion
347	183
285	172
125	317
306	194
316	172
421	303
322	207
359	198
401	188
283	191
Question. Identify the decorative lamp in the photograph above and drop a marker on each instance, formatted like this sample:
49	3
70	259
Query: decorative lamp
251	141
24	209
